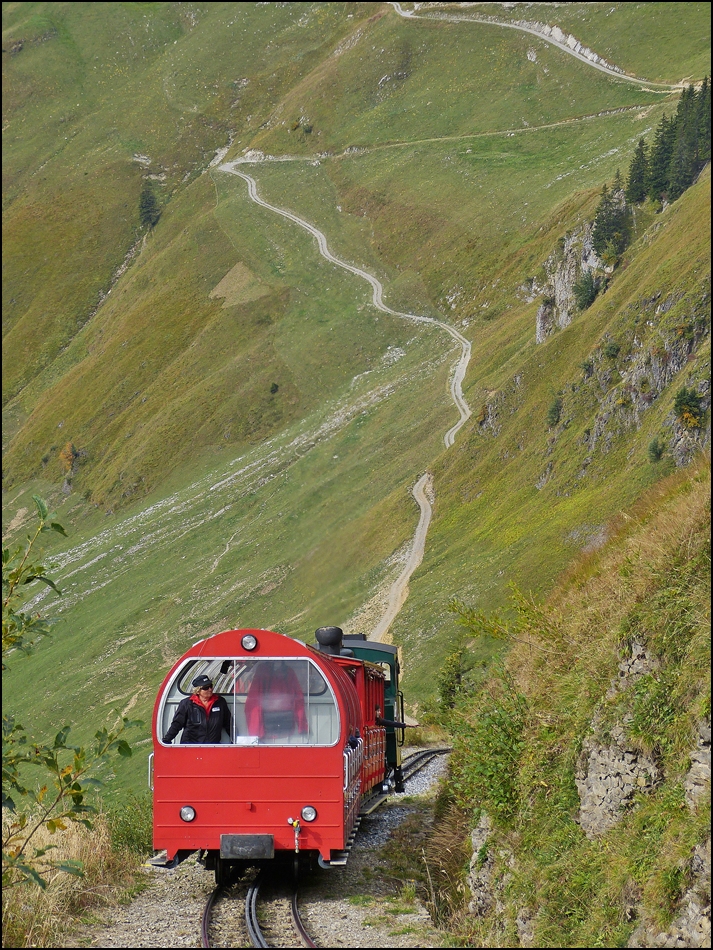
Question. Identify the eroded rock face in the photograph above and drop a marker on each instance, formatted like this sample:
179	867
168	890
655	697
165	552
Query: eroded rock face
632	667
610	772
698	778
692	926
563	268
607	778
480	875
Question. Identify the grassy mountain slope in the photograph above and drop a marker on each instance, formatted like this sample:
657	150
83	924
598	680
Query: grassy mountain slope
203	497
569	681
617	32
88	93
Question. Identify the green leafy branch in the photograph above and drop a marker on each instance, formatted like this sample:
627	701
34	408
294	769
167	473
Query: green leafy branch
69	772
533	625
21	630
60	800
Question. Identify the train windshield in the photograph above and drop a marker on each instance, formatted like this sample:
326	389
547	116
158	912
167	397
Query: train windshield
271	701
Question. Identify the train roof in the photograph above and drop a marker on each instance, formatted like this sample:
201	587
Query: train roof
357	639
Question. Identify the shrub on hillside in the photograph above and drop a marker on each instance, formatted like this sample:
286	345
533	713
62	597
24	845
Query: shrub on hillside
687	406
655	450
149	210
488	740
585	290
67	772
554	412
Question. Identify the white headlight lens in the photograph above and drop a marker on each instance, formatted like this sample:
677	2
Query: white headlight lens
249	642
187	813
309	813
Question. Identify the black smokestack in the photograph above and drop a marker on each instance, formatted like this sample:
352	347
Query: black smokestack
330	640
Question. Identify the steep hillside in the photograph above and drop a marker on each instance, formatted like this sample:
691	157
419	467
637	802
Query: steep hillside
232	434
587	756
365	79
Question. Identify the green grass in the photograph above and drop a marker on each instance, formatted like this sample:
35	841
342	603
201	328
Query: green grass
404	82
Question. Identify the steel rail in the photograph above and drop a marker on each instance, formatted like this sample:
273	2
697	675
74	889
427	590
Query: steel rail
297	923
419	760
205	923
254	931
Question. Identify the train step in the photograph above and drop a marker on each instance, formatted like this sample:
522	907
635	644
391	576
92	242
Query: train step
371	804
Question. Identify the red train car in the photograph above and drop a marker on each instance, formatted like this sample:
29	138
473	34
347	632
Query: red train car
302	756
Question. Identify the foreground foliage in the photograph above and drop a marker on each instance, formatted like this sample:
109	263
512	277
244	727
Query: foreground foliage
37	805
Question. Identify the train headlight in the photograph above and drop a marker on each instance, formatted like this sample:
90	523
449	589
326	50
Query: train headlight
187	813
309	813
249	642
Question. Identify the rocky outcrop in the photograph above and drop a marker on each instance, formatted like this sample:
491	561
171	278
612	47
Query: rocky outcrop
692	926
610	772
668	342
568	40
698	778
574	256
491	868
482	869
608	775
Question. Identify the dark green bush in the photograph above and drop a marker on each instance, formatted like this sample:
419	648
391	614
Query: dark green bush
488	746
655	450
585	290
149	209
687	406
554	412
131	825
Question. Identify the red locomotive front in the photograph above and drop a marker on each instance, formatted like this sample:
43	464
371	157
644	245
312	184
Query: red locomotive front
289	768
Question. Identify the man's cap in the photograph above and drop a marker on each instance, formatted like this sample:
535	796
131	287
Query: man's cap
202	680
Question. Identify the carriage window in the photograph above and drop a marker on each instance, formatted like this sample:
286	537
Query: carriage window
272	701
386	667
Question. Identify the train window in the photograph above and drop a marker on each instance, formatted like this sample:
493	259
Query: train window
386	667
272	701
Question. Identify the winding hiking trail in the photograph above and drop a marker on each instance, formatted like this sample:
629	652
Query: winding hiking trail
424	487
538	31
377	294
399	589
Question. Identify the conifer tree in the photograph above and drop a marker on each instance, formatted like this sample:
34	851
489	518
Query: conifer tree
611	223
682	164
660	159
638	174
703	123
149	211
681	147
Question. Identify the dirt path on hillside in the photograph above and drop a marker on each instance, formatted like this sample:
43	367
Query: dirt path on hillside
423	493
530	28
377	289
424	487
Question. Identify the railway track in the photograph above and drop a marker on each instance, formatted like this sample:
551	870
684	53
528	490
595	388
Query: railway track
264	911
419	760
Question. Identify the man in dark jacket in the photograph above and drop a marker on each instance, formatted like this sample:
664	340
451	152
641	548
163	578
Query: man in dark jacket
202	716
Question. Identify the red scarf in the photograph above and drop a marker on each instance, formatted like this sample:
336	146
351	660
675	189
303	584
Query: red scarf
199	702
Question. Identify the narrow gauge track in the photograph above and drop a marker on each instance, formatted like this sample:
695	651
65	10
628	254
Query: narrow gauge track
284	922
419	760
283	912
